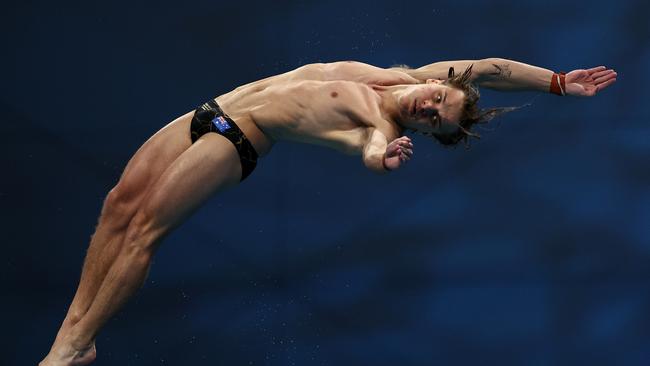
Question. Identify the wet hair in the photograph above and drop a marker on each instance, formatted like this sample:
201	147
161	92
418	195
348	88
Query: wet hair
471	114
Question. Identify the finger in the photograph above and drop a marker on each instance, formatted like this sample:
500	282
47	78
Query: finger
404	143
605	78
602	73
604	85
406	146
596	69
408	152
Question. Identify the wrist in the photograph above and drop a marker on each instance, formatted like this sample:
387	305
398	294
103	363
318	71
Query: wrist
558	84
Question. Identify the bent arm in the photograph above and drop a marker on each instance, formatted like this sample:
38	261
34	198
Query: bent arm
381	156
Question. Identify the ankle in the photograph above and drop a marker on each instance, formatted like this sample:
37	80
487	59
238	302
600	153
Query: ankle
79	340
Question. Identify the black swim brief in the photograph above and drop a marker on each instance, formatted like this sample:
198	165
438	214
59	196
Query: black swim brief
210	118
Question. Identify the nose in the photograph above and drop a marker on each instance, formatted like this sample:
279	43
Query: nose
427	107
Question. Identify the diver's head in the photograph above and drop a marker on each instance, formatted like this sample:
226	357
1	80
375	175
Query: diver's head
431	108
445	109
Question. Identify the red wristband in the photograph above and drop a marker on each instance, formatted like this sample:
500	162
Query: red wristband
558	85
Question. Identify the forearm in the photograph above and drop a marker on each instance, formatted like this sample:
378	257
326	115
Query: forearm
374	152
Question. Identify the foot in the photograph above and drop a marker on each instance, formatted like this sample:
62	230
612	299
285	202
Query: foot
64	354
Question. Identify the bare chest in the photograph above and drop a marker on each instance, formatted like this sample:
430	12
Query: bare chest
336	114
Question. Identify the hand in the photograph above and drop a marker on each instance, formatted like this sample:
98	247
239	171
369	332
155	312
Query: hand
586	83
398	151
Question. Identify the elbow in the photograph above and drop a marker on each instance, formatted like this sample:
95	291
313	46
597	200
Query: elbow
490	61
482	68
488	64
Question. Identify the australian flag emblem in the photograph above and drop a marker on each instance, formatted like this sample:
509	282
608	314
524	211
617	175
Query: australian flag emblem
220	123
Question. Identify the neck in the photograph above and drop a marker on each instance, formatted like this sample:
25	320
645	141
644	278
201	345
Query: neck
389	106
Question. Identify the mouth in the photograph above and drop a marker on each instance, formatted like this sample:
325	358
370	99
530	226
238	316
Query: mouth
414	109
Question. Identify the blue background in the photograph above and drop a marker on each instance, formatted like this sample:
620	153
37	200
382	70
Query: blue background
532	248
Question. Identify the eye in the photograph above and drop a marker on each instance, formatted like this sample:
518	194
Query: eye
439	98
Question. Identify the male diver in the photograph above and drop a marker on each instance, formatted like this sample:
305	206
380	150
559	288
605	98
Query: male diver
351	107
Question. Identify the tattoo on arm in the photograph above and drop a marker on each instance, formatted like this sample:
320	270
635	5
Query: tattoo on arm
502	70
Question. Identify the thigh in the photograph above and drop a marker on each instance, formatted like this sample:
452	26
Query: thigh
151	159
209	166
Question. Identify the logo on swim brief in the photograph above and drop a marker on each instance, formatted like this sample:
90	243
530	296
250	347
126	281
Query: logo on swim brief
220	123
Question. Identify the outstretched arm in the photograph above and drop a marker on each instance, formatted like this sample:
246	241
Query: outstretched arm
507	75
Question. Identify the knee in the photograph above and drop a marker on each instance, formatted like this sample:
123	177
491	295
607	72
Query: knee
118	208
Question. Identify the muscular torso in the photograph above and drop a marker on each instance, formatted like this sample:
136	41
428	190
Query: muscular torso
333	105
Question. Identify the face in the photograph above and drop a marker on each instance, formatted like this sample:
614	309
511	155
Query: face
431	107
